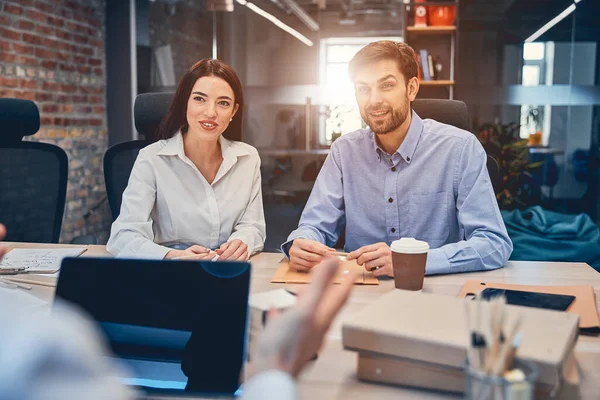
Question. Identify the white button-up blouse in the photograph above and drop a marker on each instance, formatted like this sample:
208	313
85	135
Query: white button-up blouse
168	201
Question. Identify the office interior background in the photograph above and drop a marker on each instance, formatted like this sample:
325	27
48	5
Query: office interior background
527	69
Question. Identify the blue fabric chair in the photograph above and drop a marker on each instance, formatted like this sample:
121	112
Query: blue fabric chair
541	235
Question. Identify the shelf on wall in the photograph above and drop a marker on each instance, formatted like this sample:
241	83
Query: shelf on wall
432	30
437	83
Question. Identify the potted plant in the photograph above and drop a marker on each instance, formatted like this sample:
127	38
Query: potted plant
503	142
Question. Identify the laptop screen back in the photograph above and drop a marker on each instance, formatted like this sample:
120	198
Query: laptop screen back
178	326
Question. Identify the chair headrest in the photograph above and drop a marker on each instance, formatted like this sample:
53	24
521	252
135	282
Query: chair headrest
18	118
149	110
451	112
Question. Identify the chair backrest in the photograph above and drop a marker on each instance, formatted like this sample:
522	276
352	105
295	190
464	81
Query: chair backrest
33	177
118	162
455	113
451	112
149	110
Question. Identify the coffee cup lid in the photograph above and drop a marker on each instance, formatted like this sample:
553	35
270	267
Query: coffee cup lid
409	246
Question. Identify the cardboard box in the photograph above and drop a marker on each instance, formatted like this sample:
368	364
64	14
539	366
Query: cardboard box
428	335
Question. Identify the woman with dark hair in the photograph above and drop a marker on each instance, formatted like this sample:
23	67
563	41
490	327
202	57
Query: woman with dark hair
196	191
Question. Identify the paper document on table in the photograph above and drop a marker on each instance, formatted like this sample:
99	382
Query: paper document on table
39	261
17	299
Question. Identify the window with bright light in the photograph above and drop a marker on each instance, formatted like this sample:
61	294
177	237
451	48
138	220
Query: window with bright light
340	114
533	74
533	51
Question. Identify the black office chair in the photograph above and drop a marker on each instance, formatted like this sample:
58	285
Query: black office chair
455	113
118	162
33	177
148	111
451	112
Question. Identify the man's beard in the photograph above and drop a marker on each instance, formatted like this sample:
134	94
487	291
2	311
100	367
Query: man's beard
393	120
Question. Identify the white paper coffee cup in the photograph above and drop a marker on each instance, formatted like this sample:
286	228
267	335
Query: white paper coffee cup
409	246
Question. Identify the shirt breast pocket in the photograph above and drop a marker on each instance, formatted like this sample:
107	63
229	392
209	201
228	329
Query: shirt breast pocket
429	216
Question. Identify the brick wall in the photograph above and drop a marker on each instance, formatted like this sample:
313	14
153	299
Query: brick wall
52	52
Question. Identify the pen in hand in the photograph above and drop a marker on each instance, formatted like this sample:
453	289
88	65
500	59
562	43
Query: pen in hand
195	257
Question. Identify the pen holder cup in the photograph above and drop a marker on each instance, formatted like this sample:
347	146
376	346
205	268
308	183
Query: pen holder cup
481	386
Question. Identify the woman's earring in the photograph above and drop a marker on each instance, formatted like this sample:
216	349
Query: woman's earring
230	119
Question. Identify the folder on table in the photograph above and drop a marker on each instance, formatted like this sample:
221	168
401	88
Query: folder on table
584	304
286	274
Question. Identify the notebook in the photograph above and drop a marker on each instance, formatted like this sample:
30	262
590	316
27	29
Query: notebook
39	261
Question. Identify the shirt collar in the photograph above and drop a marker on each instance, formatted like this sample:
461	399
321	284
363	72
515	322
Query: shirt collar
229	149
409	145
173	146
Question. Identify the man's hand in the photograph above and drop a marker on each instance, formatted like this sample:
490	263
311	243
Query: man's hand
235	250
375	257
292	338
194	252
3	250
305	254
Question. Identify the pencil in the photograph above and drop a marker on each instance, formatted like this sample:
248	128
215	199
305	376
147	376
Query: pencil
30	281
19	285
512	343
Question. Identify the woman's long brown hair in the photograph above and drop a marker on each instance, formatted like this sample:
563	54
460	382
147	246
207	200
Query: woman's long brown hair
175	119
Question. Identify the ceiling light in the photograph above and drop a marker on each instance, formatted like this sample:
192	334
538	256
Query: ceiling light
302	15
277	22
552	22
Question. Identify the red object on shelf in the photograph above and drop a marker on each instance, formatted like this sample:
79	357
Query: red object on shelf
420	14
441	15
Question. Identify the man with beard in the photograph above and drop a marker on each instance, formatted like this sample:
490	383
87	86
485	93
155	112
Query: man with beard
402	177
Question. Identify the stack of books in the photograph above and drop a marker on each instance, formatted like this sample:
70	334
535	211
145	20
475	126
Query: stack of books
427	65
421	340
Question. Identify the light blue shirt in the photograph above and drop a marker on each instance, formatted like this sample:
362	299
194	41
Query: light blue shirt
435	187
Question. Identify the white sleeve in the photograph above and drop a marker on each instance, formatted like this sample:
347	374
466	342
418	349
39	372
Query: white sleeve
131	235
57	356
251	228
270	385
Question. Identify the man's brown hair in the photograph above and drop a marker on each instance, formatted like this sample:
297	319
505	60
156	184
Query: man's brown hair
403	54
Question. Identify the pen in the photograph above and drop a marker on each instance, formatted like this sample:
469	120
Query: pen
291	292
339	253
13	271
195	257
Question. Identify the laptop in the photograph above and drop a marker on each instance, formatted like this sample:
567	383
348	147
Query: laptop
178	327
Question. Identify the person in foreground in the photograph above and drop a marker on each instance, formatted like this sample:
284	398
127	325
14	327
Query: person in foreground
195	192
66	360
401	177
293	337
